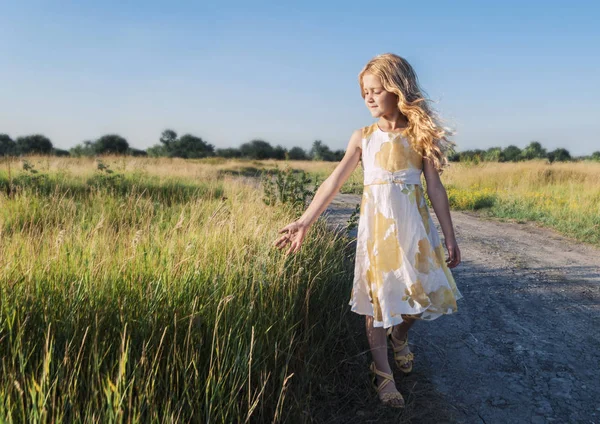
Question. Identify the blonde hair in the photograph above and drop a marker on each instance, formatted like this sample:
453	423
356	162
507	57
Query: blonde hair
424	129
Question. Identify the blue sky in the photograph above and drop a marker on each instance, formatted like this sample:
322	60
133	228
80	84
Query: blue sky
500	73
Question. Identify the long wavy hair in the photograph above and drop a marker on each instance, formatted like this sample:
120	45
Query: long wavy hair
425	130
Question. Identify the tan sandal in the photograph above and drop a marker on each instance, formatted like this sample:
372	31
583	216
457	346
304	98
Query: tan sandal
398	346
393	399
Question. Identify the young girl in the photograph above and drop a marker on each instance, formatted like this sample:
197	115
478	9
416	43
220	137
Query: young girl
400	271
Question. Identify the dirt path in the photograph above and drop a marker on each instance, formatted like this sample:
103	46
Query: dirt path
525	344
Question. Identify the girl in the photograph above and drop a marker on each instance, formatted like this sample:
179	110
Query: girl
400	272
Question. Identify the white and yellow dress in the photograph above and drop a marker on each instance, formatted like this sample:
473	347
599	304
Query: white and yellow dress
400	266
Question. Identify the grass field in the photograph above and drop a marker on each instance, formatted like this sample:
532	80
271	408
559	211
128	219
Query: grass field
153	293
563	196
147	290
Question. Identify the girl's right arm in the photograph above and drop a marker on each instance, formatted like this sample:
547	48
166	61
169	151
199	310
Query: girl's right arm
324	195
331	186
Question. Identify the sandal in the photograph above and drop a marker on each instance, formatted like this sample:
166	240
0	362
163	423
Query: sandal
393	399
398	346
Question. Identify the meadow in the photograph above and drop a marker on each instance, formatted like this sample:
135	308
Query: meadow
148	290
152	293
562	196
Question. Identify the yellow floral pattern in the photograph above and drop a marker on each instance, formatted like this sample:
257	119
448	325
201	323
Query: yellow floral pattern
416	294
400	267
384	256
367	131
397	154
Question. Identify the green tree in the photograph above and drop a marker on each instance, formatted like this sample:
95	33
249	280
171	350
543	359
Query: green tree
559	155
168	137
596	155
230	152
33	144
84	149
320	151
454	157
156	151
492	154
510	154
533	151
190	146
475	155
136	152
297	153
111	144
338	155
60	152
257	149
7	145
279	152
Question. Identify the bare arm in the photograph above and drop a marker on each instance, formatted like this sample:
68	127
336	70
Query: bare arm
295	232
331	186
439	200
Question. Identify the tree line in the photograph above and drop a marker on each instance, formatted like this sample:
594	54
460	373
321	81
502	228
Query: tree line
513	153
190	146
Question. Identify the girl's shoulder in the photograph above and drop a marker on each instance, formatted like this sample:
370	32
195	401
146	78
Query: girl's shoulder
368	131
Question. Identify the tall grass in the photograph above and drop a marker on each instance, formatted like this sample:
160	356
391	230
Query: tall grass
149	298
152	293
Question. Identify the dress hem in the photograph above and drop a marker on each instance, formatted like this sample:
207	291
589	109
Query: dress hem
395	320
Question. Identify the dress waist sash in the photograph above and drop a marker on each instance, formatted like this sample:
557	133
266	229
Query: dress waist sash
405	176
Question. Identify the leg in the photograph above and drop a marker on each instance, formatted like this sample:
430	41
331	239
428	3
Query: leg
399	332
378	343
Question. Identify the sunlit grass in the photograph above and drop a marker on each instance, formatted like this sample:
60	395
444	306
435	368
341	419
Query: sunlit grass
153	293
564	196
162	299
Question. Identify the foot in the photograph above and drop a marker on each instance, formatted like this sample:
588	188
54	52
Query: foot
386	388
402	354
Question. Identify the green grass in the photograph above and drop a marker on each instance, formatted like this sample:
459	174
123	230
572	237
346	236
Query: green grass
139	300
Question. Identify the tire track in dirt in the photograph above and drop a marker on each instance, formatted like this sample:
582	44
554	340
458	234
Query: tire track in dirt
524	346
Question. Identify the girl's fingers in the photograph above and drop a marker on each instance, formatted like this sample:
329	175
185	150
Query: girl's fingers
457	256
289	227
281	241
453	255
294	235
455	260
292	246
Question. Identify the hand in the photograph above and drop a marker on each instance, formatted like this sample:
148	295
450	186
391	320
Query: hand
295	235
453	258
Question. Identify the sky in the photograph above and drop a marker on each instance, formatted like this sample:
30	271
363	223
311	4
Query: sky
498	73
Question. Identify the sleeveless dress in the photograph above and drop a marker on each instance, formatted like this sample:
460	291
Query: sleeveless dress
400	266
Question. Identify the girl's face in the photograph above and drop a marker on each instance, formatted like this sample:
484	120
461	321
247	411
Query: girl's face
379	101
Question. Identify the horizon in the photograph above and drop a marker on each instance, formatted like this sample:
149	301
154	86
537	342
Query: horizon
507	74
306	149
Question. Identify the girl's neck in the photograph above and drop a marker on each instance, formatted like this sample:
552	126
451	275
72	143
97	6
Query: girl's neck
393	123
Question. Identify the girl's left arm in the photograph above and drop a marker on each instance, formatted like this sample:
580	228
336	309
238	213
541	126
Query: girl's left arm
439	200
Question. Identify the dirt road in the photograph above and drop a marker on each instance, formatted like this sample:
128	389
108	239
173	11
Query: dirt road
524	346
